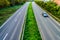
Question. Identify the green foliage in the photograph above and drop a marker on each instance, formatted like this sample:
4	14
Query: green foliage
7	12
51	7
31	30
17	1
4	3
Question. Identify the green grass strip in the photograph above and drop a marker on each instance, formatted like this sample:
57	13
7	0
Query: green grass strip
31	30
7	12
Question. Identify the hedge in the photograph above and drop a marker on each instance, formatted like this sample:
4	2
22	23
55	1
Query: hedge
5	3
52	7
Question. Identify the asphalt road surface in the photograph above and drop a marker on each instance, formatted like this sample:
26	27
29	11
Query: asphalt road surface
49	29
12	28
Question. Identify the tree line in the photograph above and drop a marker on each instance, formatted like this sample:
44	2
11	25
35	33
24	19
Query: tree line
4	3
52	7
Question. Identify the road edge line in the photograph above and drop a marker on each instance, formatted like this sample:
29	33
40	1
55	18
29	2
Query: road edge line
49	14
11	16
23	26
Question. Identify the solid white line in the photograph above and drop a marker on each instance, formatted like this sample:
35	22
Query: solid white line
5	36
11	16
54	20
46	29
17	24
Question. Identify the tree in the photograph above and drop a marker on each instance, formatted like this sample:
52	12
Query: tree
4	3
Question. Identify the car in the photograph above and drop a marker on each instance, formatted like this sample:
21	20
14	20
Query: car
45	14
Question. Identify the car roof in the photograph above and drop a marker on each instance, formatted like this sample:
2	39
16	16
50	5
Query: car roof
44	13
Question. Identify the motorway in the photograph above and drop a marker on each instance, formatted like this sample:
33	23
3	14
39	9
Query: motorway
48	28
12	28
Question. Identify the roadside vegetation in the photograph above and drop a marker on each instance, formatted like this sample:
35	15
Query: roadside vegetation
7	3
8	7
31	29
7	12
51	7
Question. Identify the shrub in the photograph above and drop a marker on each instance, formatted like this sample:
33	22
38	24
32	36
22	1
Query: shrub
4	3
51	7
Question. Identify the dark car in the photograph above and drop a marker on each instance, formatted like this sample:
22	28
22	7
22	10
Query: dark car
44	14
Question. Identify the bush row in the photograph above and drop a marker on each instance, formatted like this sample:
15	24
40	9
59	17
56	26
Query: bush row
4	3
51	7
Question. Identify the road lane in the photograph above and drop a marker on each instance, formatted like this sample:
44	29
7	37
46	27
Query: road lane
13	26
49	29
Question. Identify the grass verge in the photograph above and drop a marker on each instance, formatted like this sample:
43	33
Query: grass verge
31	30
5	13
